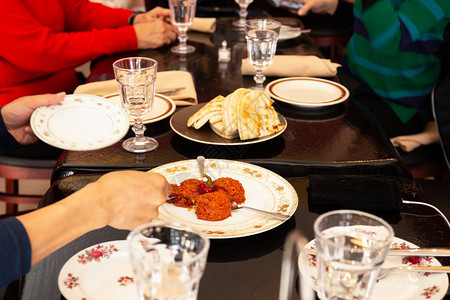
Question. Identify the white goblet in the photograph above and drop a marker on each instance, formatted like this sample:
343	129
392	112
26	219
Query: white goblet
243	5
182	13
136	77
262	37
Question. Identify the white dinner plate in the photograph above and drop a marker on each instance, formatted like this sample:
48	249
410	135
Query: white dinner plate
307	91
397	285
289	32
80	122
102	271
163	107
263	189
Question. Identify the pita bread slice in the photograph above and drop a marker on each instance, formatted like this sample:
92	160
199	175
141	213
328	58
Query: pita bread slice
257	116
213	105
230	111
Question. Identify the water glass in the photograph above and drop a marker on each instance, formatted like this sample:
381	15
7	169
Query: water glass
182	13
243	12
136	78
168	260
262	36
351	247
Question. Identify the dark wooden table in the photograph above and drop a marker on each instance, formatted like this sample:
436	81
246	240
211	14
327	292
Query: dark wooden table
340	140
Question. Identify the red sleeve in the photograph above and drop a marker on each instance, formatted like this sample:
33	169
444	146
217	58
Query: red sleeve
85	15
33	46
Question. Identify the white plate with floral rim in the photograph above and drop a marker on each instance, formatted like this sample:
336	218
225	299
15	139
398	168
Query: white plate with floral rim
163	107
80	122
405	285
307	92
264	189
102	271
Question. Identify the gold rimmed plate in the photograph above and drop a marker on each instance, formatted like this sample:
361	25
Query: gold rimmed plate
206	135
264	189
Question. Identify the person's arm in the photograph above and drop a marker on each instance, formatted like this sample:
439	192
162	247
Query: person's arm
54	49
318	6
122	200
402	25
16	115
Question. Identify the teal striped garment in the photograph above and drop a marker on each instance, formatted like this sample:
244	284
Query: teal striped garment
393	49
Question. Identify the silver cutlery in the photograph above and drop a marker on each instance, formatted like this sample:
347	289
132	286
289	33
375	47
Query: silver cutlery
165	92
263	212
429	269
407	252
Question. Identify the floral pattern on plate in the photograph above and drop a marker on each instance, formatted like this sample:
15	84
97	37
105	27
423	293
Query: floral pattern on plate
397	285
101	271
80	122
264	189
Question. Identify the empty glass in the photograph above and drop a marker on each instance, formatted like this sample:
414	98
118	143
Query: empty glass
136	78
243	5
262	37
182	13
351	247
168	260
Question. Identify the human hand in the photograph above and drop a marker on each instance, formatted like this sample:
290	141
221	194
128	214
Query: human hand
318	6
126	199
156	13
155	34
16	115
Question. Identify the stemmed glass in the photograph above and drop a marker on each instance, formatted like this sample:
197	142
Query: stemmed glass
136	77
243	5
182	13
262	37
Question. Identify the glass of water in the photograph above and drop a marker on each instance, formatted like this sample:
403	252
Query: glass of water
182	13
243	5
136	78
168	260
351	247
262	37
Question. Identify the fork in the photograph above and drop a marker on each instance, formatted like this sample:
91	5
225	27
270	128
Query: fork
430	269
263	212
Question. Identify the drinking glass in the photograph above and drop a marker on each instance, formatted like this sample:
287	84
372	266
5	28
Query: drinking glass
168	260
243	5
351	247
182	13
136	77
262	37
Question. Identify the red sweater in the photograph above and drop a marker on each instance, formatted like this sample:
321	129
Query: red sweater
42	42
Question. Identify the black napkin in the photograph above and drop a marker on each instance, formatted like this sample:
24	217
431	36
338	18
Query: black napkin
374	194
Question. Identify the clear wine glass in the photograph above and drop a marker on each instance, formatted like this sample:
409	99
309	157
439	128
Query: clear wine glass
243	5
182	13
136	78
262	37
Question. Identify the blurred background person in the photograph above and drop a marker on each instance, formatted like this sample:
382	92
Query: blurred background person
43	43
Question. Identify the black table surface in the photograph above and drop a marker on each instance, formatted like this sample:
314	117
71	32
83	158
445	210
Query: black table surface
237	268
341	139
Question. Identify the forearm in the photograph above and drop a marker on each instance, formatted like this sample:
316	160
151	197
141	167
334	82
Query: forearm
54	226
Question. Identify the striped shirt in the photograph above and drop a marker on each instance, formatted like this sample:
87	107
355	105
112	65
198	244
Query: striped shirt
394	45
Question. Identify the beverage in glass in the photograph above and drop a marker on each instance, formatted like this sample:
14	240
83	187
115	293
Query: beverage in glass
168	260
182	13
136	78
243	12
351	247
262	37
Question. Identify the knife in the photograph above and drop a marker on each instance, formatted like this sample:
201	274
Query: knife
406	252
